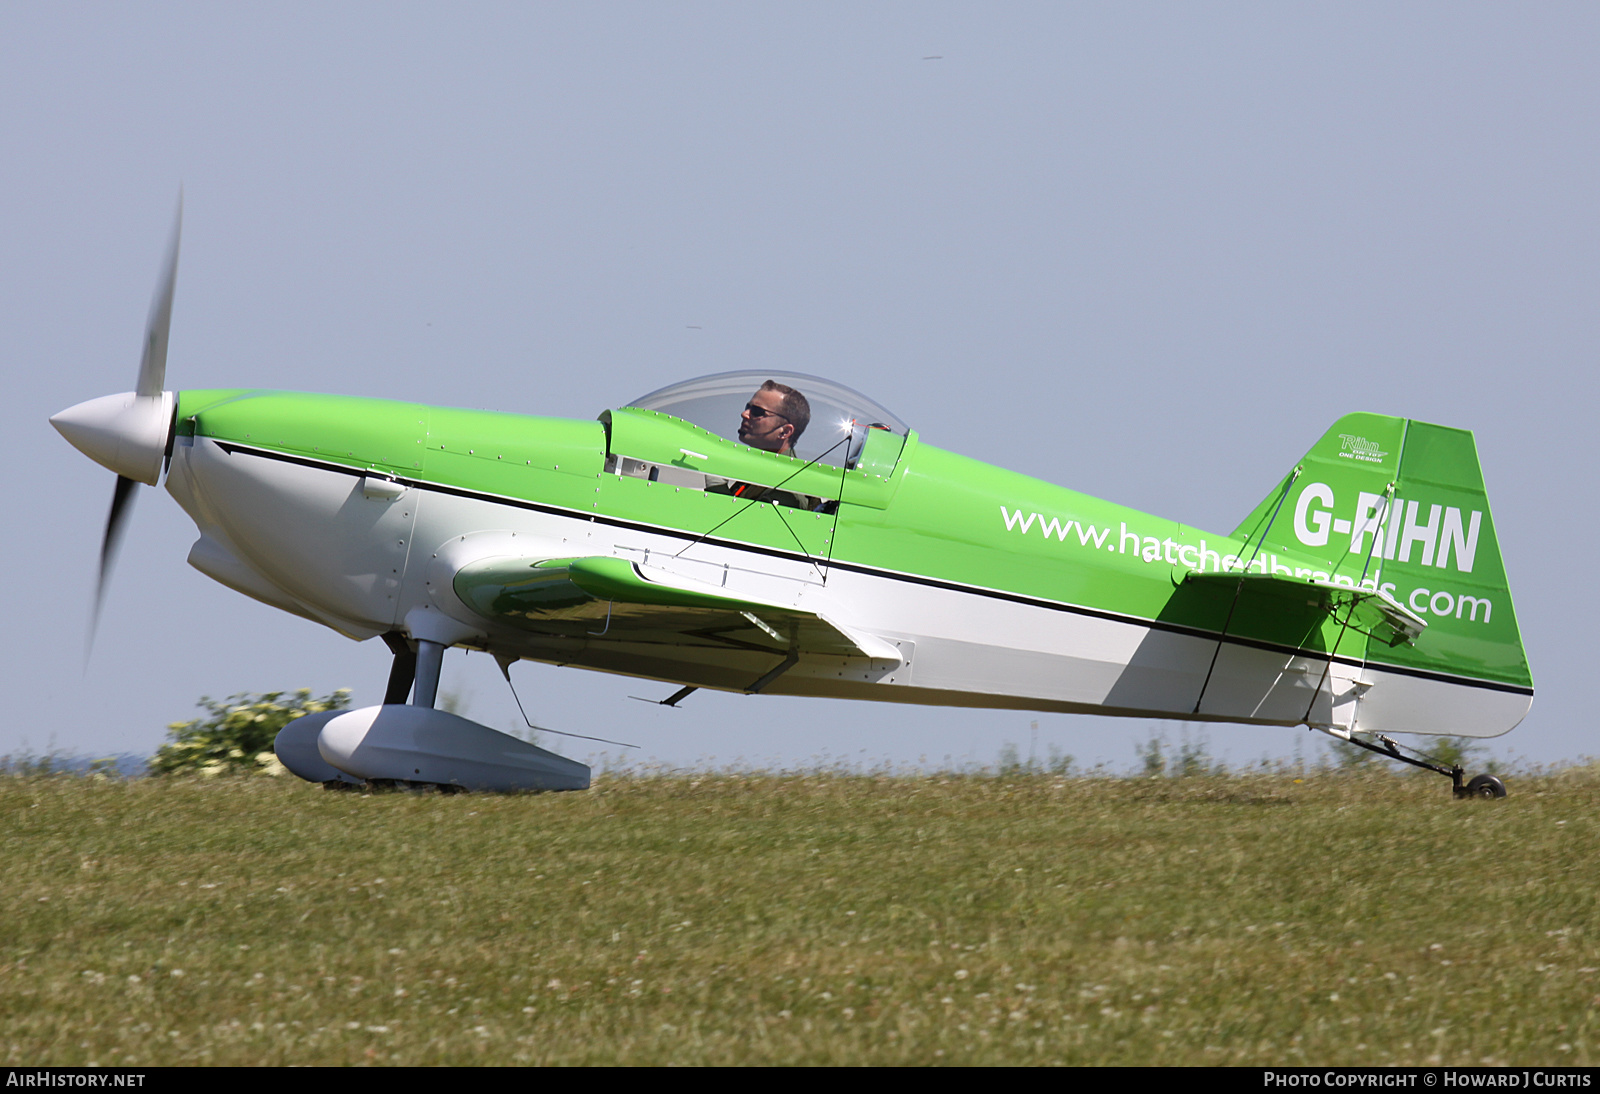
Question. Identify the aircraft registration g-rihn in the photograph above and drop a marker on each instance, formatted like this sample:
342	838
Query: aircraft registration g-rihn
778	533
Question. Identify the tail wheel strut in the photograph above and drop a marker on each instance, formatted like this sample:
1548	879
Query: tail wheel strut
1481	786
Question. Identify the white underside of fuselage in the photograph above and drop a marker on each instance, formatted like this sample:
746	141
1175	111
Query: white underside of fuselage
364	556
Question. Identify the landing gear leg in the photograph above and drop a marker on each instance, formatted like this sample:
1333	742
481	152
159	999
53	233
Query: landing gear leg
430	660
413	668
404	672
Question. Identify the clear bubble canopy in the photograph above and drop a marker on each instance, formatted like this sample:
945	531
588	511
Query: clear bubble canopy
840	417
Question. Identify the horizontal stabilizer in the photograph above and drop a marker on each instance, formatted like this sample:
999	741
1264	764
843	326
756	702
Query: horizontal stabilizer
1371	611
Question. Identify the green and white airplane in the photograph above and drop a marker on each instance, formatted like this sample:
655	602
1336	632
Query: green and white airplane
718	533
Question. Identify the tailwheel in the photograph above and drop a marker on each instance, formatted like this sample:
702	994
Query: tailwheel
1484	786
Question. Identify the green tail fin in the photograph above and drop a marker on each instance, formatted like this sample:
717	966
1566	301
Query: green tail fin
1400	505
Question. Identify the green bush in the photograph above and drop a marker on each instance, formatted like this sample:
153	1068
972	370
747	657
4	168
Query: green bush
237	737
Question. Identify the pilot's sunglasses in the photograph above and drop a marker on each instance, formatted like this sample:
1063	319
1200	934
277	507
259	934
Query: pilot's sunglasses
762	412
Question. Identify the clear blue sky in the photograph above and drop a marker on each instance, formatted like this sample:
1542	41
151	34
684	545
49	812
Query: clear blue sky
1146	251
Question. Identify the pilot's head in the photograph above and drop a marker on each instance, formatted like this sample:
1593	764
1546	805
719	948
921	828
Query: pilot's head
774	418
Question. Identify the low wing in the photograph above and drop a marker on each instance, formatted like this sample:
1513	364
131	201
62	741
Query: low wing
630	601
1371	611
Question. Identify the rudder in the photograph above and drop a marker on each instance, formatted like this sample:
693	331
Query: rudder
1400	505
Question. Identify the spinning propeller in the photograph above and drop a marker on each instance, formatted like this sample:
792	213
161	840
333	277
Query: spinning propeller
130	433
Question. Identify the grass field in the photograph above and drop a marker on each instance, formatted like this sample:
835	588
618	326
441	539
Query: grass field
1255	919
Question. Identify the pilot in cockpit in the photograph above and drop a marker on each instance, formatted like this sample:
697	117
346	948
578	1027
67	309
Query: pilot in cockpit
774	418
